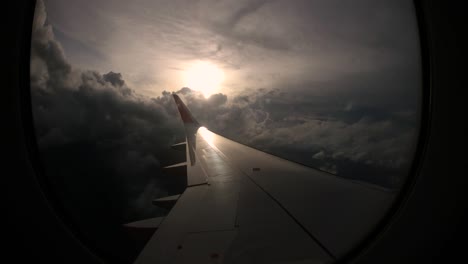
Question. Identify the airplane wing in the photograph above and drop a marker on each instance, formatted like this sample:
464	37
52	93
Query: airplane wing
241	205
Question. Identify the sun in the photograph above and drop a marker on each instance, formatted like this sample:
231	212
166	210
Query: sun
205	77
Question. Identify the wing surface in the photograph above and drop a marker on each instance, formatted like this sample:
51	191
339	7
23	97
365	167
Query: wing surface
242	205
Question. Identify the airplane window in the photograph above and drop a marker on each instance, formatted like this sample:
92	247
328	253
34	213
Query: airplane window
332	85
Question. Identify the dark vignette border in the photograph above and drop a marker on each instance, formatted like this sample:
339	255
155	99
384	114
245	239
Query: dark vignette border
16	141
414	172
27	118
353	255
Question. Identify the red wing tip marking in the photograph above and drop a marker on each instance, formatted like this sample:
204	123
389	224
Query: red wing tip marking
184	112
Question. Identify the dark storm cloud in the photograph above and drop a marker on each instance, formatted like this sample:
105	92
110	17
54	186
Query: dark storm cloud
114	78
102	144
43	46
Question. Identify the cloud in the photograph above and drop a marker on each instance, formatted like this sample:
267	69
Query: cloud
45	50
229	17
361	143
114	78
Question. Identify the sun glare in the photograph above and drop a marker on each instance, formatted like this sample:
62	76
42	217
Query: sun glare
204	77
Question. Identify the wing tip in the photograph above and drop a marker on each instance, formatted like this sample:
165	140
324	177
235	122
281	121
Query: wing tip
184	112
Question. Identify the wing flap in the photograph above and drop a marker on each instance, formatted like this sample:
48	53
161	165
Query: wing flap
179	146
166	202
151	223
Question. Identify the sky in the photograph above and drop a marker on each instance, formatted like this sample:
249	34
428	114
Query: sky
153	42
334	85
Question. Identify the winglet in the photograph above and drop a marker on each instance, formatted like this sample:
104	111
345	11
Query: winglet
185	114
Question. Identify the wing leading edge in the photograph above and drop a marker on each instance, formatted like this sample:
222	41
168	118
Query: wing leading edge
242	205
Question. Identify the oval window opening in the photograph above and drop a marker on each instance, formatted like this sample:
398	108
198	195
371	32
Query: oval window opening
195	130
